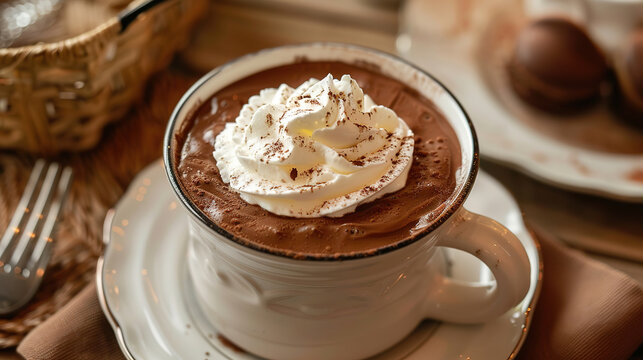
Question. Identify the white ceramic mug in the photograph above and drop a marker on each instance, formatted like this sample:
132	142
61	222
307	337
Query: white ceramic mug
278	306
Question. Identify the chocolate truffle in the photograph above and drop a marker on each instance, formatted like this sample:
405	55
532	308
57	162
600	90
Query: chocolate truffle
628	65
556	66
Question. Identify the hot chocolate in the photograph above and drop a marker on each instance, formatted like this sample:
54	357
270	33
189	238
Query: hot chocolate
392	218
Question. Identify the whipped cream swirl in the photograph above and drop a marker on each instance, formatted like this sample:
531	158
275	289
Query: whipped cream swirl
318	150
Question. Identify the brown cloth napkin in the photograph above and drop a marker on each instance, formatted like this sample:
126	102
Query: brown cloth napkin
586	310
77	331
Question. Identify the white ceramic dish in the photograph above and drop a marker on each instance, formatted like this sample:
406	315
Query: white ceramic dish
464	46
144	289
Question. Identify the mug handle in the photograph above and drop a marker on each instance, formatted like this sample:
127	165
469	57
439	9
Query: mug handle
468	303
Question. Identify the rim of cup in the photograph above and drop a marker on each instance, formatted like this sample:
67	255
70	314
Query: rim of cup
463	188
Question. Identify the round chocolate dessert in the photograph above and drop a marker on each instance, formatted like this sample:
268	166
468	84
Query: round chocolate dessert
403	199
556	66
628	99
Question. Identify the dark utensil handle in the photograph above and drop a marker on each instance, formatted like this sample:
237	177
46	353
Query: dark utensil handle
128	16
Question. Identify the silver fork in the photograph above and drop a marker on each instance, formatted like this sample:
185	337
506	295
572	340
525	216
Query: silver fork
25	247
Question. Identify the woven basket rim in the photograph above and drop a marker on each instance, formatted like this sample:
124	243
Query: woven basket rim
105	29
78	40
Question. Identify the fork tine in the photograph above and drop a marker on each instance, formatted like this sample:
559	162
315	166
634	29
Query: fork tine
36	215
25	203
42	247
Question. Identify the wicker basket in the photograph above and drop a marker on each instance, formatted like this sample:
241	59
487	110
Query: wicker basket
58	97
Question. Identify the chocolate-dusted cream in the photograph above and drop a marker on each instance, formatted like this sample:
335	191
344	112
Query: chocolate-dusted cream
388	220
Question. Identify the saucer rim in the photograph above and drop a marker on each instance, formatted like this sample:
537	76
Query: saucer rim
120	336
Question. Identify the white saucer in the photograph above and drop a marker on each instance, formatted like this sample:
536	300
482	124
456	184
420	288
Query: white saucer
144	290
464	46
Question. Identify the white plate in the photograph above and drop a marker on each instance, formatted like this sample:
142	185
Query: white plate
464	44
145	292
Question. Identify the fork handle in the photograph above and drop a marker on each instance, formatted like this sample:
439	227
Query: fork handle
42	249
